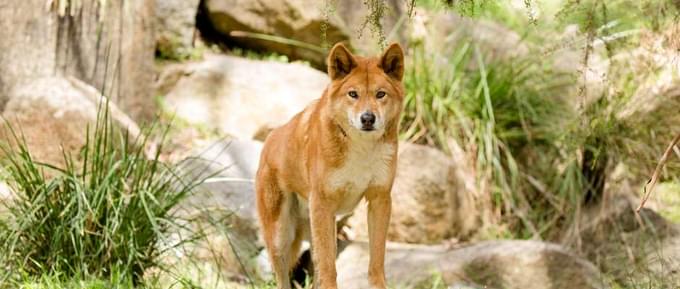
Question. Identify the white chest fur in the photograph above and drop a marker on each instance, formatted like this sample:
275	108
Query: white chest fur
367	164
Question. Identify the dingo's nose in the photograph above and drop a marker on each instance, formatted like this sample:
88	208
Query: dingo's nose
367	120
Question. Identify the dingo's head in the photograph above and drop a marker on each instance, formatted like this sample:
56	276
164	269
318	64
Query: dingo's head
366	94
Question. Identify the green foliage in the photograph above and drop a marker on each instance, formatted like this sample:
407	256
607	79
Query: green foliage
56	281
538	145
669	194
435	282
171	49
505	112
109	210
633	14
376	11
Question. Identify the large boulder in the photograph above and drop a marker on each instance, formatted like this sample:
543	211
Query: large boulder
443	32
303	21
655	66
298	20
434	198
110	47
635	249
238	96
222	211
364	36
53	114
176	26
490	264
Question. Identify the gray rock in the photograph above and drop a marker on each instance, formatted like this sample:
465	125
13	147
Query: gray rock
441	32
231	165
489	264
433	199
54	114
363	37
238	96
655	67
635	250
111	48
176	24
225	205
302	20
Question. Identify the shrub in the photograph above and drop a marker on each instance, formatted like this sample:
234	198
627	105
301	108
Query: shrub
505	113
112	211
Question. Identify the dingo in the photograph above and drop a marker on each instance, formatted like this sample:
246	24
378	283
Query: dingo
340	149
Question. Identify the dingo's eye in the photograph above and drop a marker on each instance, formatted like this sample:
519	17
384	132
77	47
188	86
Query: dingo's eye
353	94
380	94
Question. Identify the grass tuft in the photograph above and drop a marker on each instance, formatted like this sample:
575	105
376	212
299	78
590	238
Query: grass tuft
503	112
109	213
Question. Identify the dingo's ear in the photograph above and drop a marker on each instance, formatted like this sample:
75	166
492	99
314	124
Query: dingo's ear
392	61
340	62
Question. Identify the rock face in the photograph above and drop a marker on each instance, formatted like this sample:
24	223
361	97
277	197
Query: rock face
110	48
491	264
432	199
300	20
226	206
634	249
239	96
656	67
54	113
362	36
303	21
176	21
443	32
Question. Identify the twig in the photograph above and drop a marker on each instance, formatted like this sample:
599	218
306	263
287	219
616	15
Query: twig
649	187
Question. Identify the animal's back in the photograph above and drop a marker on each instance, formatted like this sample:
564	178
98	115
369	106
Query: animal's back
284	155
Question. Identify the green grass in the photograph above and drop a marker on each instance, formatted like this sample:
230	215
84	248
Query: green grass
109	210
498	111
524	128
104	219
537	146
632	14
668	195
115	281
171	50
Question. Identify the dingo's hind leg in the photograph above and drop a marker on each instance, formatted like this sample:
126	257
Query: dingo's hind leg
278	226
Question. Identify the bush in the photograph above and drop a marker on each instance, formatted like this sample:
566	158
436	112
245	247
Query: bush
111	211
507	114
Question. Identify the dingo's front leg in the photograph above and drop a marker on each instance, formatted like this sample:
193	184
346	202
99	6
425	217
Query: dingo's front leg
322	217
379	209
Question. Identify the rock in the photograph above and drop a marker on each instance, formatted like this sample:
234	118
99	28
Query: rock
567	57
634	249
443	32
433	199
225	204
299	20
363	37
663	260
238	96
54	113
651	112
111	48
302	20
176	22
489	264
655	66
